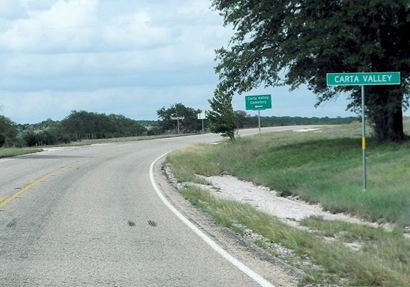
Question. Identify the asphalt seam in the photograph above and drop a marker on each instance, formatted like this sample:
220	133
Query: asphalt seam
234	261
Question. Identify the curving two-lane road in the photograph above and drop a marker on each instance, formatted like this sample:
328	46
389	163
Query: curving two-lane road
89	216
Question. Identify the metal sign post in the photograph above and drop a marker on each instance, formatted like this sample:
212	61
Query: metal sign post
364	169
174	117
258	103
363	79
259	122
202	116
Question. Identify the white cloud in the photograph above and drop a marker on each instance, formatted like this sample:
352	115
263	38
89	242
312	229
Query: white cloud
134	31
107	56
34	5
75	42
11	9
66	25
76	26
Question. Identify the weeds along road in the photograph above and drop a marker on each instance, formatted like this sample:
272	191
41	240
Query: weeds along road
89	216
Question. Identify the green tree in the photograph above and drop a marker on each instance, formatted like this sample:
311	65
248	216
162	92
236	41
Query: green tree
291	42
190	123
244	120
240	119
8	132
39	138
221	115
87	125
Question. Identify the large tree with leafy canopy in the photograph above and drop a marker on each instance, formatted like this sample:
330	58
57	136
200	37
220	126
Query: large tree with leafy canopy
295	42
8	132
189	124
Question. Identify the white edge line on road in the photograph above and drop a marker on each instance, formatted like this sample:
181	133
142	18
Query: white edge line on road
238	264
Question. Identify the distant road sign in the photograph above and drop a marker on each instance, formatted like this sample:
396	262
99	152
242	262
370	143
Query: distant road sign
177	118
257	103
363	79
201	116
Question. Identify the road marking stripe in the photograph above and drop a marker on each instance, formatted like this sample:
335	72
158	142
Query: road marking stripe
32	183
3	198
238	264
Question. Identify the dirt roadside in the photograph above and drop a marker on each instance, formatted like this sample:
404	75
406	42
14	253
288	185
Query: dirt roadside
259	260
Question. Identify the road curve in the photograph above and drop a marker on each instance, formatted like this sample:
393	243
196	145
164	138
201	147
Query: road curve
89	216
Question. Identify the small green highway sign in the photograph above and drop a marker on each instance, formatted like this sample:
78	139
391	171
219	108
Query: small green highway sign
257	103
363	79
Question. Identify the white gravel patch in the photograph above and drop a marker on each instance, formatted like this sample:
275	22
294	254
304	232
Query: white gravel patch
288	210
53	149
62	148
101	144
306	130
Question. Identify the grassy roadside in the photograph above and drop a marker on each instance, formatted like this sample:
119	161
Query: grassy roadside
14	151
118	140
322	167
10	152
383	259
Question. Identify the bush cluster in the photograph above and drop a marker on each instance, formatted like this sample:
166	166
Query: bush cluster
77	126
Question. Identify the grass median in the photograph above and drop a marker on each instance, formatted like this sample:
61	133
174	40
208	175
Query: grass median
322	166
10	152
15	151
383	259
84	142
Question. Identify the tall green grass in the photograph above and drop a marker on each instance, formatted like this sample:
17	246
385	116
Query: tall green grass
321	167
9	152
382	261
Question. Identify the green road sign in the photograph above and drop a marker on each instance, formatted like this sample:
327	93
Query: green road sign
363	79
257	103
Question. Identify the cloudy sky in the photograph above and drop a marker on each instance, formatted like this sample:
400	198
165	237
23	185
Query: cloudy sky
119	56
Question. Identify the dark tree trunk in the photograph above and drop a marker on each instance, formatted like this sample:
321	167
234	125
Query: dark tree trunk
385	110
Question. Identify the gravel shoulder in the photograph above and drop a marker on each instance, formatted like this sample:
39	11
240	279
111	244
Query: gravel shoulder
269	267
290	210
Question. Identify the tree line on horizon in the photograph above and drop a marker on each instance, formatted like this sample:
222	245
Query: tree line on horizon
80	125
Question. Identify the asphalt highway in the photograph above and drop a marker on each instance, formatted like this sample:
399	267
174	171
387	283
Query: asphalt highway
89	216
